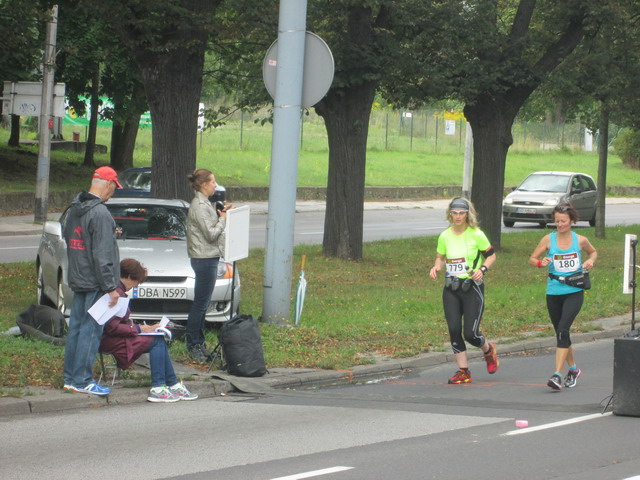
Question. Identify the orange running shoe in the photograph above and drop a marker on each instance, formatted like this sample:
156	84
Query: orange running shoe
491	357
461	376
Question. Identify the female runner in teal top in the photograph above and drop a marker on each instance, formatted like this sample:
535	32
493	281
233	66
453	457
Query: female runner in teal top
562	252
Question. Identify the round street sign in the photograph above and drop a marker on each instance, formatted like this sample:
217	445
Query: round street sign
317	74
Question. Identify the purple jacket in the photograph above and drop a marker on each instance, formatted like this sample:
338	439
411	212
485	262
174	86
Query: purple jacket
120	338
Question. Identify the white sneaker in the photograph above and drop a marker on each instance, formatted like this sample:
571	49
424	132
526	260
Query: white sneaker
183	392
162	395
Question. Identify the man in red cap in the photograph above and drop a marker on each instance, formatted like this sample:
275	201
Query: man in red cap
94	269
107	173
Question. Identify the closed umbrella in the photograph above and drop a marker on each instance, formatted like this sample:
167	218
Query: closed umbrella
302	288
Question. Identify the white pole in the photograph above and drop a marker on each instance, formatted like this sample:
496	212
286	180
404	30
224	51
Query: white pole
468	159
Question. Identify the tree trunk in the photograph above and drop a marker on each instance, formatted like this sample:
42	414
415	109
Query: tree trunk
126	115
491	126
346	117
90	146
603	151
173	84
14	138
123	142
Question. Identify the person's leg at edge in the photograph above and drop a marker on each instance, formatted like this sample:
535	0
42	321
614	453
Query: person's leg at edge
157	363
571	305
72	337
473	308
206	272
88	343
453	314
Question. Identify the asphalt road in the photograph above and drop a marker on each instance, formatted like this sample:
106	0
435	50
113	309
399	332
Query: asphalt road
413	426
378	225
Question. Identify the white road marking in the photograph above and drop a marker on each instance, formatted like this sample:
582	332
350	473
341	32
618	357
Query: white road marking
557	424
315	473
35	247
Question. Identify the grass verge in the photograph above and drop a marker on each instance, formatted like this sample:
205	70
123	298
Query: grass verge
355	312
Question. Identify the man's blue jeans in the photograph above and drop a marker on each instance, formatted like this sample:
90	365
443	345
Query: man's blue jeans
206	270
160	362
83	341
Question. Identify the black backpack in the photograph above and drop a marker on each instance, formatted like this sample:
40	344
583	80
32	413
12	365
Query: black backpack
44	323
242	347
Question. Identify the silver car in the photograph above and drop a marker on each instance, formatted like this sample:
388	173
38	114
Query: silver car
535	198
152	231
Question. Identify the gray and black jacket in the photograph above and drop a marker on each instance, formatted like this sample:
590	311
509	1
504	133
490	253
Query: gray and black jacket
94	259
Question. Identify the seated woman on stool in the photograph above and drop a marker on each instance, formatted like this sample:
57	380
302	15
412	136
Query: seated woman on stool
122	340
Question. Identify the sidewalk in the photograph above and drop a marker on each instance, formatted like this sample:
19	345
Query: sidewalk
217	383
24	224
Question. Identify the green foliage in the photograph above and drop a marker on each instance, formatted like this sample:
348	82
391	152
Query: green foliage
21	39
628	147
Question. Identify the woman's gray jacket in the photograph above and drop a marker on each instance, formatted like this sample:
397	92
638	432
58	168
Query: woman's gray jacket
205	238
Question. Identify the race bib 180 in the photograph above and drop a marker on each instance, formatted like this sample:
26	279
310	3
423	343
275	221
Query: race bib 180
566	262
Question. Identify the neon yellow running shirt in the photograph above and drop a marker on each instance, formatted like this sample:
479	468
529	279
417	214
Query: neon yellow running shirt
461	251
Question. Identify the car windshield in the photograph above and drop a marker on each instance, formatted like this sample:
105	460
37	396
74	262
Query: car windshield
153	222
545	183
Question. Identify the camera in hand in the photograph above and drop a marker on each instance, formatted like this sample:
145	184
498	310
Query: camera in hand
218	198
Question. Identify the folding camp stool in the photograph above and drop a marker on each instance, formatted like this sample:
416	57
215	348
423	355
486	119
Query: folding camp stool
102	368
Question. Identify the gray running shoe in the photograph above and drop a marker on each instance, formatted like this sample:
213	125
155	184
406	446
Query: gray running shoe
183	392
572	378
555	382
162	395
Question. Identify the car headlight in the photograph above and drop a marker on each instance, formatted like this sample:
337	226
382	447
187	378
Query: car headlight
225	270
552	202
507	201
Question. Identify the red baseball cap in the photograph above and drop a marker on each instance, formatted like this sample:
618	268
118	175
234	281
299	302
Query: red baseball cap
107	173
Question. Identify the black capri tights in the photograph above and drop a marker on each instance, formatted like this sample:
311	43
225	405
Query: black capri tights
469	306
563	310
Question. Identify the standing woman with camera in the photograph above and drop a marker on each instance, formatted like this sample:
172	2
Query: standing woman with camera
561	253
205	227
466	254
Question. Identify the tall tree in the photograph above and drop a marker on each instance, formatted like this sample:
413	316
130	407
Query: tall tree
499	53
600	80
168	40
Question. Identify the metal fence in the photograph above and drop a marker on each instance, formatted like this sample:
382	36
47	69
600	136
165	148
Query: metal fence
428	131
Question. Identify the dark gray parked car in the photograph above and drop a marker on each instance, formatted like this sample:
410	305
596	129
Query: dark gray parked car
535	198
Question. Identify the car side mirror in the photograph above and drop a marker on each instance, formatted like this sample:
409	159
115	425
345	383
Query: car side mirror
53	228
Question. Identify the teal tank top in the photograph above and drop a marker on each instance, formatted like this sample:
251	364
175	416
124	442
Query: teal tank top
563	263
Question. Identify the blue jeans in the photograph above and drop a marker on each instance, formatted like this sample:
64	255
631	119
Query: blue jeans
83	340
206	270
160	362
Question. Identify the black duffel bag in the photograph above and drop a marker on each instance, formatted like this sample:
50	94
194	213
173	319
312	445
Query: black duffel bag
242	347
